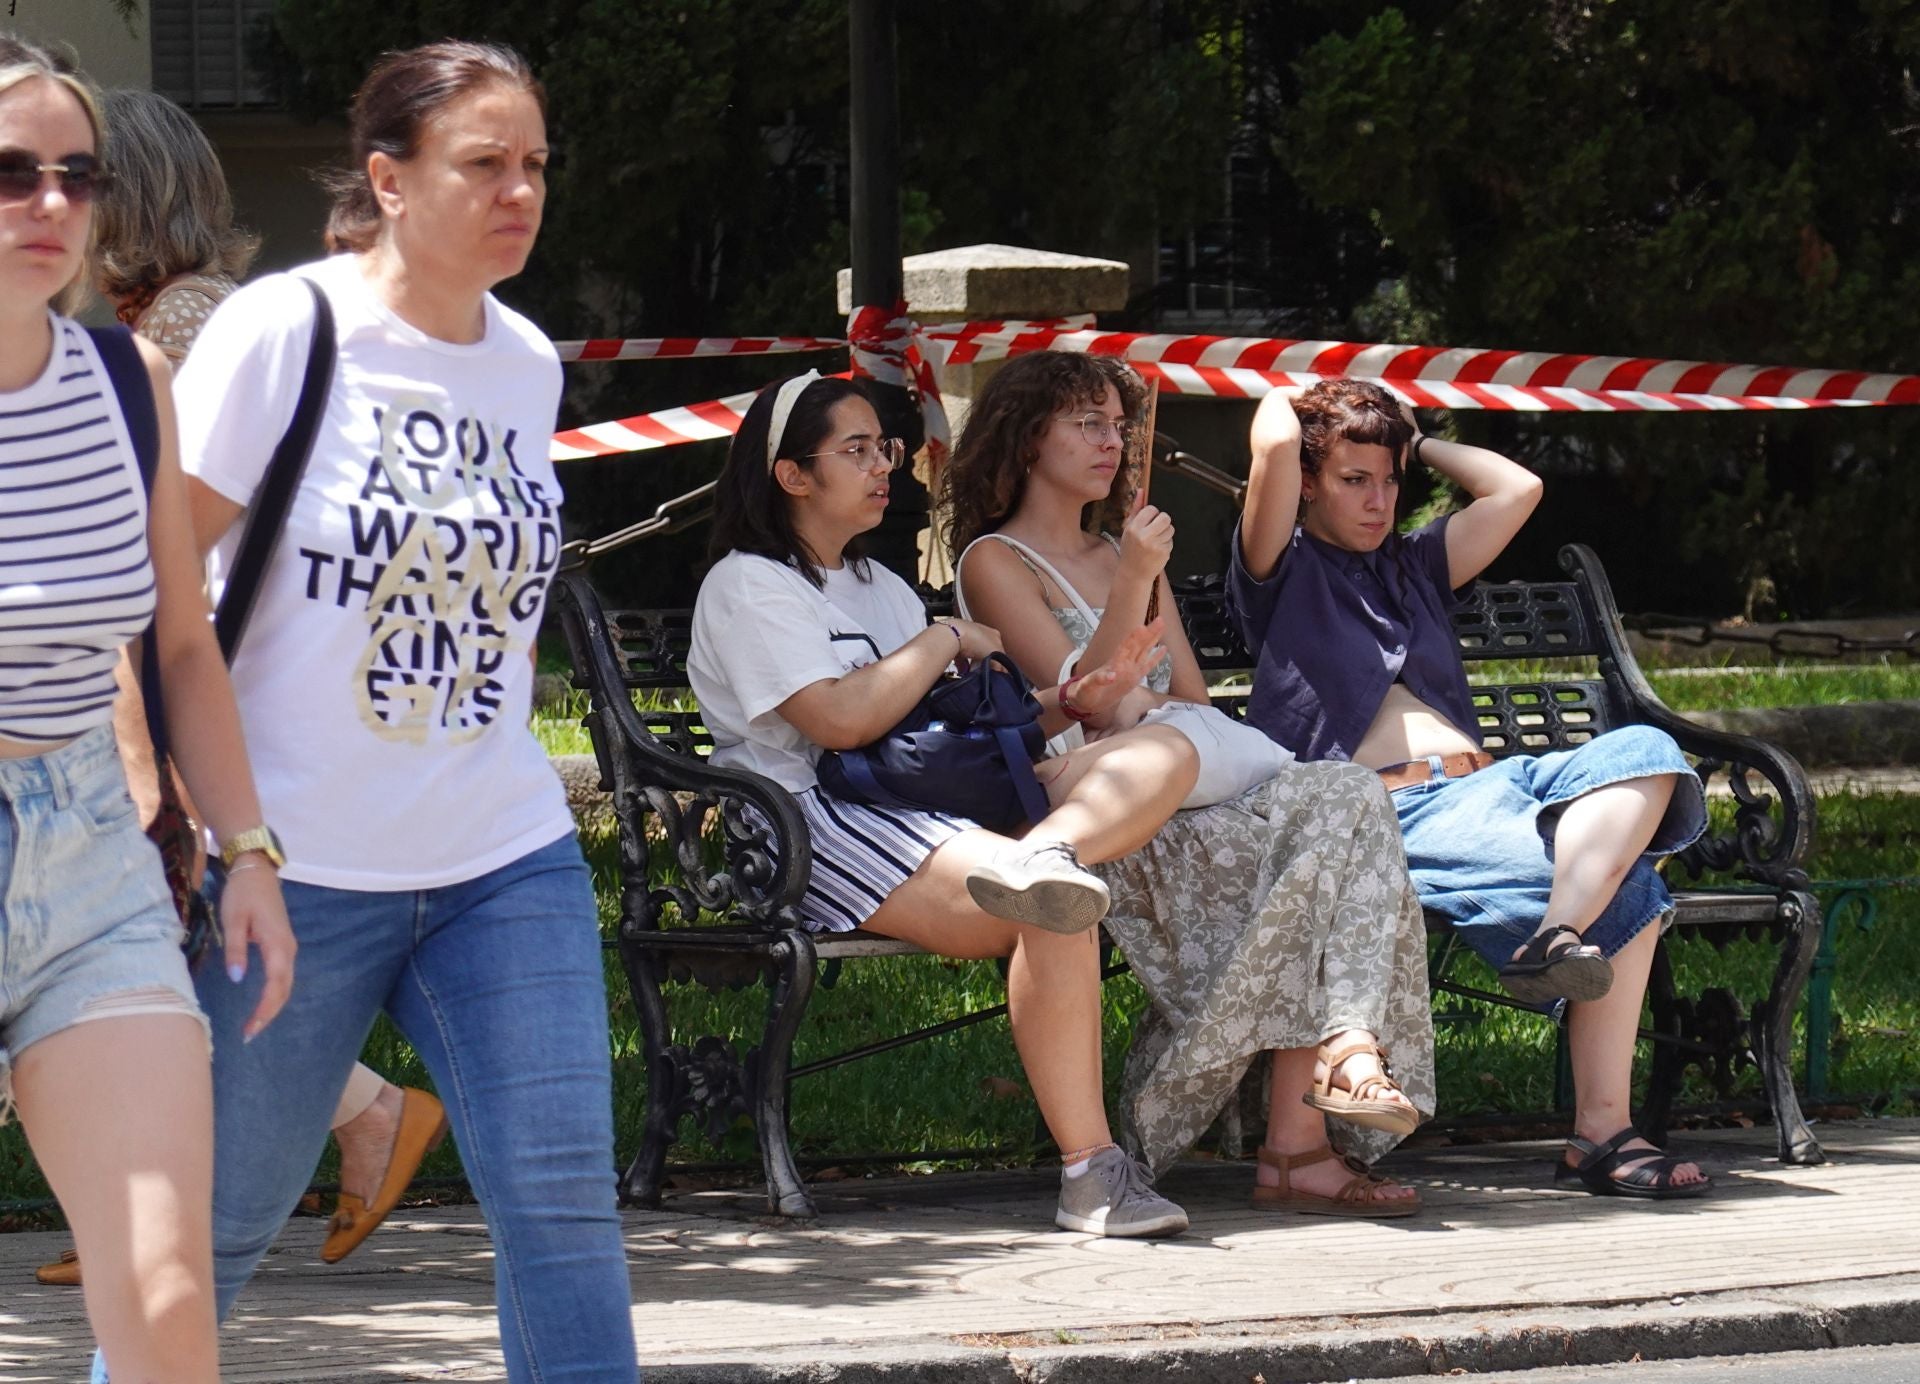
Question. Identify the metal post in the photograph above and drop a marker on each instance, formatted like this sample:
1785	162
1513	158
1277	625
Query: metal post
874	197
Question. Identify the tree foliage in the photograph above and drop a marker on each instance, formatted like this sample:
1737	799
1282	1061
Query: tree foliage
1731	179
1726	181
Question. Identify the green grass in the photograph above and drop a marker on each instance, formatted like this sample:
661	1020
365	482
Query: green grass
966	1090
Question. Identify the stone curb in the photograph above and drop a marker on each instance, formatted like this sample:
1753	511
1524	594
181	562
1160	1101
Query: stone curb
1823	736
1752	1321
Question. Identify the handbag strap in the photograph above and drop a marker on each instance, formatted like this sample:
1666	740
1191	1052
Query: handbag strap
267	516
133	389
1026	786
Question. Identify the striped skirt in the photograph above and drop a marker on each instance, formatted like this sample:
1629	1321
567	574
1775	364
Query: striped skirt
863	853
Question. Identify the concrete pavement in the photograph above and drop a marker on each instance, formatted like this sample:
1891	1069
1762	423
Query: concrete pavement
962	1277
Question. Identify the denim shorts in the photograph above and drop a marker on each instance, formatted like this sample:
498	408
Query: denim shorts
87	925
1480	848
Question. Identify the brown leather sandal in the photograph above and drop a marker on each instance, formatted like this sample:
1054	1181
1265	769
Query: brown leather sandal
1361	1104
63	1272
1359	1198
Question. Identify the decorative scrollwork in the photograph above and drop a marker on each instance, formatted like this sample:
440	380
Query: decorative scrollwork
1716	1021
1755	845
714	1083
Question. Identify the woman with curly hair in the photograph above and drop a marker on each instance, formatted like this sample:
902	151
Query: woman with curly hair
1279	921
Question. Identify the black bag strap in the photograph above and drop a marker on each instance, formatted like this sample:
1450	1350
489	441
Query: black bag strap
1026	784
133	388
267	516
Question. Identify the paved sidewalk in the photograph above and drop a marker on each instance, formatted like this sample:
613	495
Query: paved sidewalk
962	1277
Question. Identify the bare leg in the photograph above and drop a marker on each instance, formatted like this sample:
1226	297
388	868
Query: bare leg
1600	1036
1053	984
367	1138
120	1115
1597	840
1110	797
1294	1127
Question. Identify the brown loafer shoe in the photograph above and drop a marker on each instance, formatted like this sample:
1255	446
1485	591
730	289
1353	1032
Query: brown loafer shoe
423	1124
63	1272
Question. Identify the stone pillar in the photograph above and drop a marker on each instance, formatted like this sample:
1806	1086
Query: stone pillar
976	282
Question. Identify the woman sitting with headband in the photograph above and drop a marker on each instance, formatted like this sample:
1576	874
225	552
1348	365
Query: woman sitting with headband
801	646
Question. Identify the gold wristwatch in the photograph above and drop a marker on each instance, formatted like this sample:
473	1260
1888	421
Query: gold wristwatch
260	838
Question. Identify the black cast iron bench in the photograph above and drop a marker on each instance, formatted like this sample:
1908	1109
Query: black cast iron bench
723	914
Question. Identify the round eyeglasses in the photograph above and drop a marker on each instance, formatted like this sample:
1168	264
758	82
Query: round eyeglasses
1097	427
875	457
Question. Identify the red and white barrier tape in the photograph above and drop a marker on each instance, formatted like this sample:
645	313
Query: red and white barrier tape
667	428
687	347
889	346
885	344
1236	366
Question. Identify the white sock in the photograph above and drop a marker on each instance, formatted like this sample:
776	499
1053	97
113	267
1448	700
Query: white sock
1069	1171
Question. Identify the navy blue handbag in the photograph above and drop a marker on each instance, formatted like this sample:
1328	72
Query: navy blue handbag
966	750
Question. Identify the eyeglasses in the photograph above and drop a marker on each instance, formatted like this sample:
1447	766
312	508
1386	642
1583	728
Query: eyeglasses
876	458
1097	427
79	177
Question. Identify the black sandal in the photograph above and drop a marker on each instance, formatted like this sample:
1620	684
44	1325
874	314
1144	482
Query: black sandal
1556	964
1651	1181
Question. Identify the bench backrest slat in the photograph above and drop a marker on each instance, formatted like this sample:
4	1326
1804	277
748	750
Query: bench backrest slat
1526	622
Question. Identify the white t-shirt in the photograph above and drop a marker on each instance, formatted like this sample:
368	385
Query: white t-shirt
762	631
385	677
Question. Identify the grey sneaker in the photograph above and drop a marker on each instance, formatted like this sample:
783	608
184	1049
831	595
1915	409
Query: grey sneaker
1115	1196
1042	885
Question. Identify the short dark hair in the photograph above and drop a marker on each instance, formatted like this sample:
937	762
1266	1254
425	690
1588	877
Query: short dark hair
751	513
1343	410
390	112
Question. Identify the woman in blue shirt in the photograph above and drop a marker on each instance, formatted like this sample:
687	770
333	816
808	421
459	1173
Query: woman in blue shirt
1545	864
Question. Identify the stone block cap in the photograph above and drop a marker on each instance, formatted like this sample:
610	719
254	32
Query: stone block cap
988	281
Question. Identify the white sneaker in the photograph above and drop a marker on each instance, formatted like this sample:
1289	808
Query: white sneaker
1042	885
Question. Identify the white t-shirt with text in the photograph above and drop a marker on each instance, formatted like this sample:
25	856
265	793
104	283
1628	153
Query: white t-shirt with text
385	677
762	631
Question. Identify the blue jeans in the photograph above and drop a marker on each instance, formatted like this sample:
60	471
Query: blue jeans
1480	849
497	982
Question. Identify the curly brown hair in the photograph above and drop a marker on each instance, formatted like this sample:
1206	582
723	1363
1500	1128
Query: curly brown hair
985	479
1346	410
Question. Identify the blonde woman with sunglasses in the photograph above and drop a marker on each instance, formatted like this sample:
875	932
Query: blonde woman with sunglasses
103	1049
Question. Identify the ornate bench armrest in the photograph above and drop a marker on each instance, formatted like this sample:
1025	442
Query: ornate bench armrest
765	857
1774	814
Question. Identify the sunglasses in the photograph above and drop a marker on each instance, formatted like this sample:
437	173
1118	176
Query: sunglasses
79	176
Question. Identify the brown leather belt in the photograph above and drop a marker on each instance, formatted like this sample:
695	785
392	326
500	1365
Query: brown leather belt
1452	766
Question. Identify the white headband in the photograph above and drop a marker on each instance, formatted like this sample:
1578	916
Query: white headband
783	403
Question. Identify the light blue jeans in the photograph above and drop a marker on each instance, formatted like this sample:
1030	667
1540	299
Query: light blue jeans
497	982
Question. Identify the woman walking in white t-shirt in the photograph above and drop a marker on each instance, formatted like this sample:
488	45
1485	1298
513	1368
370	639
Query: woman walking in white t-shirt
801	646
431	867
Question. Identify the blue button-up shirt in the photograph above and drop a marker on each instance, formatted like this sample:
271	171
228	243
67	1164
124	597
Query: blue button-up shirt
1333	630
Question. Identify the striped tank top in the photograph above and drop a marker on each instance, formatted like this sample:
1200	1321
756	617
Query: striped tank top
75	579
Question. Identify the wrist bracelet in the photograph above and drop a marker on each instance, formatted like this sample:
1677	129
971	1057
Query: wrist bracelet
1413	448
248	865
957	640
1067	708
